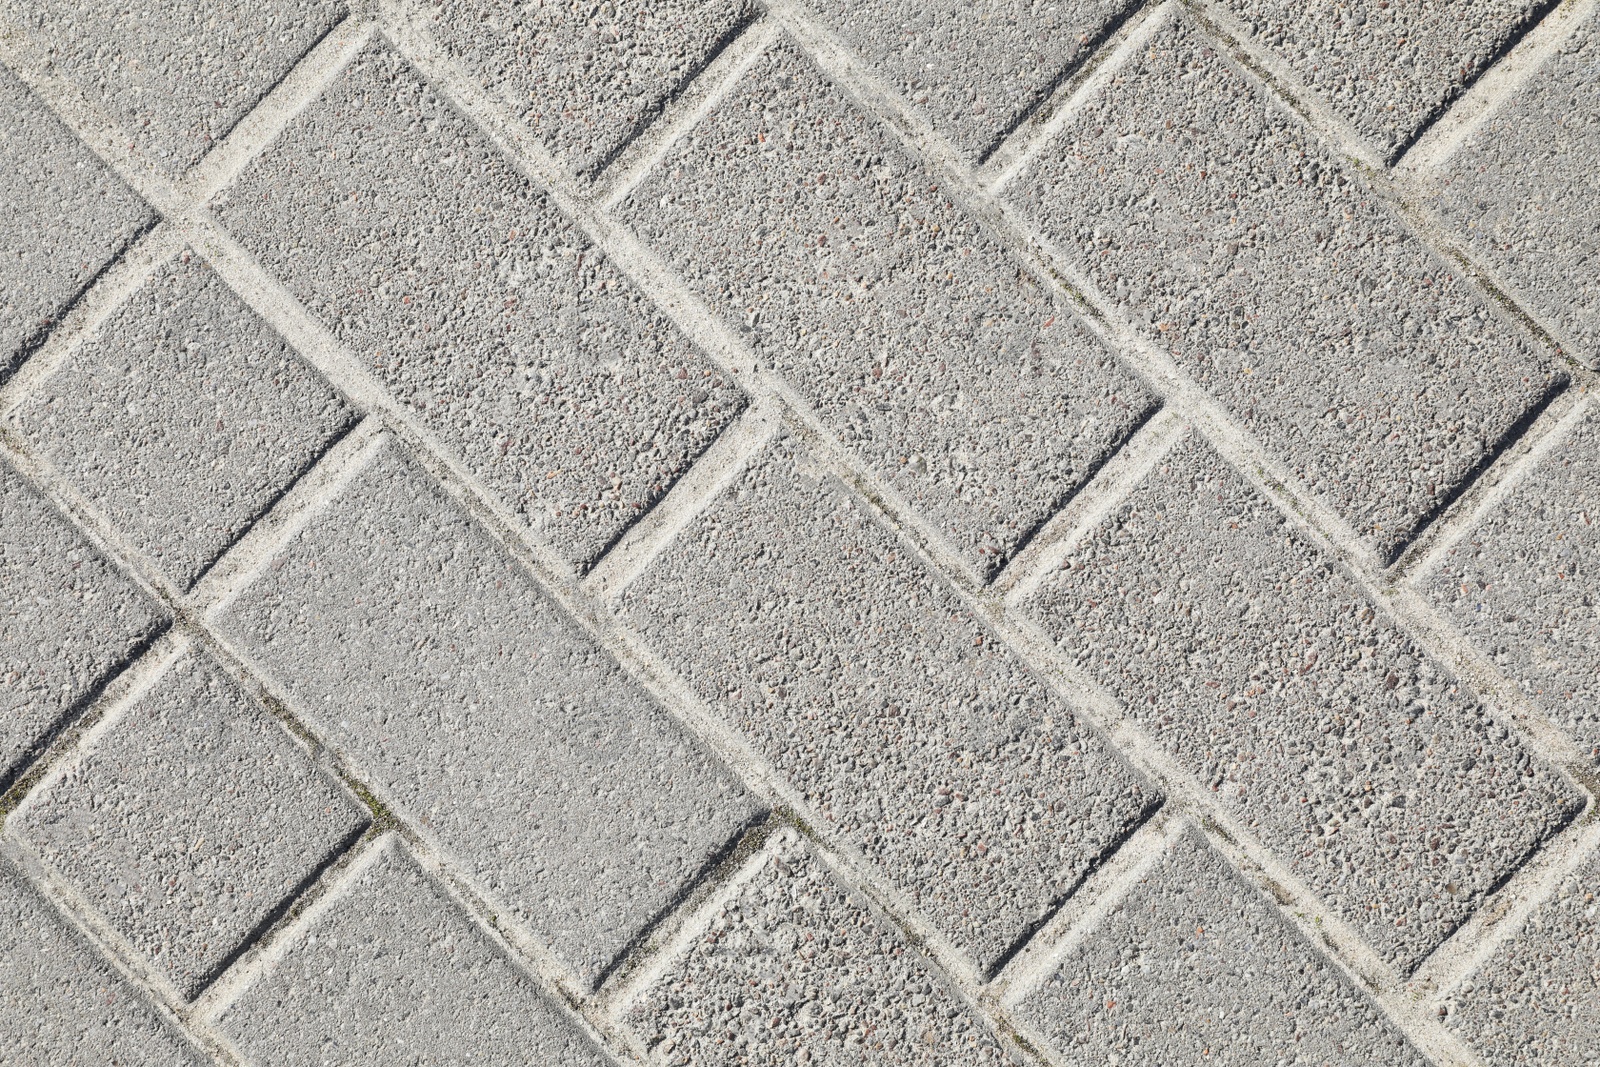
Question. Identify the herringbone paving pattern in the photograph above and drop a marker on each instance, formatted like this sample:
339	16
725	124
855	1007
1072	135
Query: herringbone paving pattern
794	532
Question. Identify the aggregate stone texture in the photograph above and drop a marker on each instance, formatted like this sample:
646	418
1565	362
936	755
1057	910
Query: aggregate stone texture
1532	1003
61	1003
794	969
412	644
1524	584
177	75
1262	667
1195	966
1211	217
1522	191
191	824
183	419
880	696
976	70
63	217
586	78
394	974
485	313
918	340
1388	68
68	621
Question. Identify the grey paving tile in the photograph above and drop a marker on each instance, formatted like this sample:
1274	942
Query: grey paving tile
976	70
394	974
1208	215
1194	966
179	75
1522	190
63	217
868	684
585	79
408	641
1264	670
183	419
920	342
484	312
61	1004
1524	584
68	620
1388	68
192	824
795	969
1531	1004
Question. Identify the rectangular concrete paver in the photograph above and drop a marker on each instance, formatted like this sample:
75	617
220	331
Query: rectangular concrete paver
63	217
393	973
1264	670
1194	966
191	824
411	643
484	312
68	621
61	1004
183	418
1210	216
867	683
795	969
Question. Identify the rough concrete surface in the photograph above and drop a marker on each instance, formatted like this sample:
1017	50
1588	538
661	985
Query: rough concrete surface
793	532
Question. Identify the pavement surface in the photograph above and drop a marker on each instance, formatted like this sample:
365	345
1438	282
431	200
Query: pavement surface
800	532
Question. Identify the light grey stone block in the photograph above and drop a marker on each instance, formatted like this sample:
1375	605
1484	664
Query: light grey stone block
795	969
394	974
1523	191
411	643
483	311
61	1004
920	342
1194	966
872	688
183	419
1532	1003
178	75
1264	670
1389	69
1524	584
976	70
586	80
192	824
68	620
1208	214
63	217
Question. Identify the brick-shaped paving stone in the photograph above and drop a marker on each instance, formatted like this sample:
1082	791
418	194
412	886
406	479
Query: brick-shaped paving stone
1523	192
183	419
393	973
68	619
1211	218
977	70
177	76
919	341
411	643
795	969
63	216
1525	583
1389	69
585	80
883	699
484	312
1265	671
61	1004
192	823
1532	1003
1195	966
